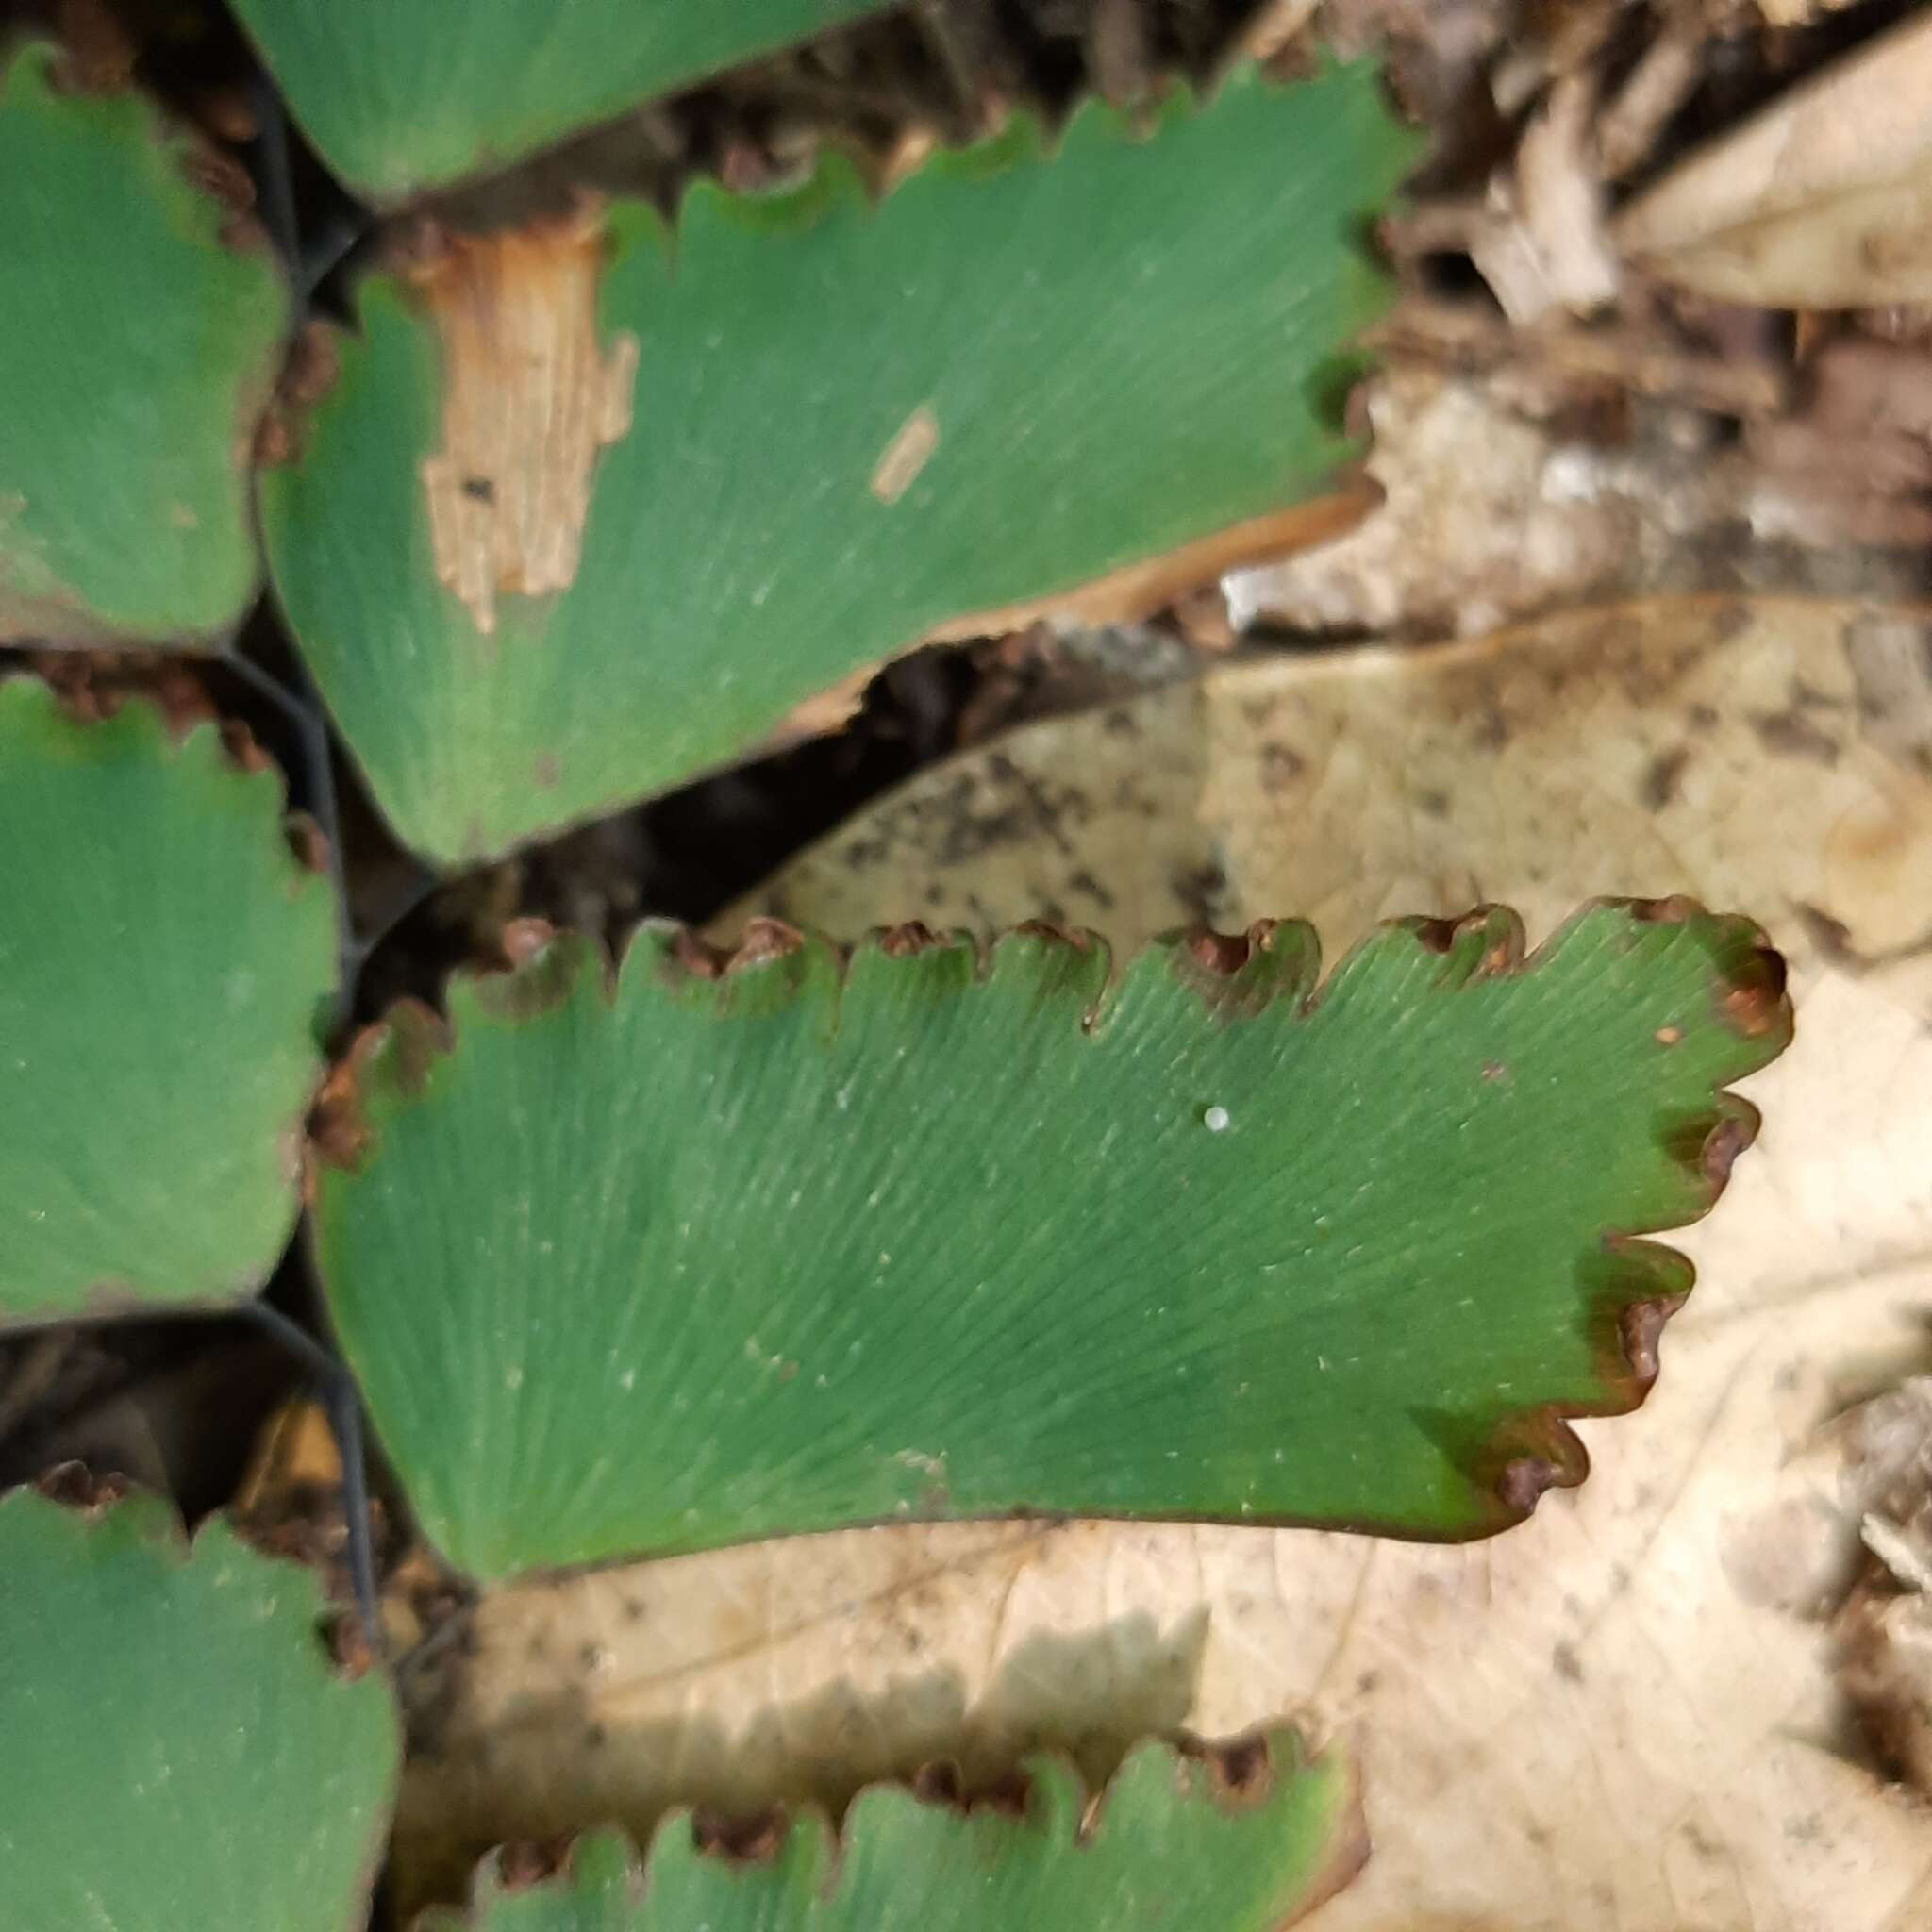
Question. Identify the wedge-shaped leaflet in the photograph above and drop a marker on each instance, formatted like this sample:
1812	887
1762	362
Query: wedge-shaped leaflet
1762	752
698	1259
584	510
399	95
164	959
139	338
1246	1839
179	1749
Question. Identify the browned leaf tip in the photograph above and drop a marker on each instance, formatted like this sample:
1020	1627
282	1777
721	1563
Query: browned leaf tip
1241	1773
1536	1451
1436	936
1497	925
1710	1145
938	1783
763	940
1223	953
1749	989
1755	1001
309	843
754	1840
697	956
220	177
1524	1482
239	745
92	686
942	1782
1648	1283
97	52
75	1485
406	1042
1678	910
1241	1770
345	1640
1639	1286
909	940
1080	939
1240	974
1009	1795
530	1862
1508	942
210	170
313	364
538	967
1640	1328
523	940
338	1133
238	742
1735	1129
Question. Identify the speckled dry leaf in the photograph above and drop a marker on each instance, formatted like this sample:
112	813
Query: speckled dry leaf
1624	1714
1820	201
1775	754
1539	240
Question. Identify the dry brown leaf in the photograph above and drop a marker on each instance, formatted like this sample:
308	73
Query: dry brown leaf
1658	86
1823	200
1628	1714
1627	357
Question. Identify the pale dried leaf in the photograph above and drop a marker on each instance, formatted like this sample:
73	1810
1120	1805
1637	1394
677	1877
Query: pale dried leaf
1541	246
1487	516
1276	26
1624	1714
1800	12
1659	84
1820	201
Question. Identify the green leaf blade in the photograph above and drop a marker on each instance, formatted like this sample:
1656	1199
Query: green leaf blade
702	1259
179	1749
1244	1840
399	97
163	962
137	347
849	425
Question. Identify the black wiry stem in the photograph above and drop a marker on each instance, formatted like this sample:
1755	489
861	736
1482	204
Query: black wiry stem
343	1405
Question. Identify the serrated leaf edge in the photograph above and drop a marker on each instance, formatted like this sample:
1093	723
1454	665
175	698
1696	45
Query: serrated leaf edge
221	751
1534	1449
1235	1775
220	190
